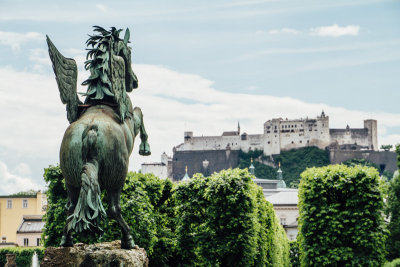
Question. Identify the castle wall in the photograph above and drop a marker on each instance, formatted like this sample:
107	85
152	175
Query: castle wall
386	160
218	160
350	136
158	169
251	142
210	143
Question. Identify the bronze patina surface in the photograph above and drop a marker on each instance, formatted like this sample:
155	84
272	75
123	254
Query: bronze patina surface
94	154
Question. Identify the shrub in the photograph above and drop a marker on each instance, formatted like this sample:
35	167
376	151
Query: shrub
224	220
294	253
23	255
341	222
393	212
394	263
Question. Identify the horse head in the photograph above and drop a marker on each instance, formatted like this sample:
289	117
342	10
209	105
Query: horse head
122	49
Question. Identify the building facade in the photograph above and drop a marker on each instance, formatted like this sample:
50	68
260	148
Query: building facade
12	211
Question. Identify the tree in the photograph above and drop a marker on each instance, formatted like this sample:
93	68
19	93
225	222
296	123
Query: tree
293	163
386	147
341	222
224	220
393	213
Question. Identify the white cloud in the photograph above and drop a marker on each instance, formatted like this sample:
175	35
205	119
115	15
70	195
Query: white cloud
284	30
12	183
39	56
335	30
101	7
15	39
34	119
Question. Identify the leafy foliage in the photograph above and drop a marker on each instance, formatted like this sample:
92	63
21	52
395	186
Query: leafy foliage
23	255
221	220
393	212
293	163
31	192
386	147
224	220
294	253
394	263
341	222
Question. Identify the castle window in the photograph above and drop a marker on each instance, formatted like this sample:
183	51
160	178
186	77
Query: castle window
269	142
292	142
295	126
4	239
275	127
26	242
268	131
308	141
9	203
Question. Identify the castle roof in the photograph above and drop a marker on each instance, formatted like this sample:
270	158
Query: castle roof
230	133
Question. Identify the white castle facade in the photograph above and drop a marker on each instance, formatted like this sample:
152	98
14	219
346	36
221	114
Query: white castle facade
280	134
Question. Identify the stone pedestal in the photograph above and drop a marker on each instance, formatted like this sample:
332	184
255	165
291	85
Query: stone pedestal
10	260
107	254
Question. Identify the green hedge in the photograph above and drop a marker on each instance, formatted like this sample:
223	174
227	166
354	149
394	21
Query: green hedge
224	220
394	263
221	220
341	220
23	255
294	254
393	212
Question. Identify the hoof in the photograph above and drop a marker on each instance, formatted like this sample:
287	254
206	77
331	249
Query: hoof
127	243
144	149
66	242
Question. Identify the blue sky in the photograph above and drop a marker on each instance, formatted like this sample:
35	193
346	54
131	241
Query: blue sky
202	66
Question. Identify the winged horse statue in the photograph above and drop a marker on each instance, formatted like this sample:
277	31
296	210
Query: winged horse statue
95	150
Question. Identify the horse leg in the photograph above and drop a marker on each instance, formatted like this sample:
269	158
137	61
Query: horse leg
73	194
114	211
144	148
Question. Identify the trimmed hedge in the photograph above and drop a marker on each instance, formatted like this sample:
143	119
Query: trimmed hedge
23	255
294	253
224	220
221	220
341	221
393	212
394	263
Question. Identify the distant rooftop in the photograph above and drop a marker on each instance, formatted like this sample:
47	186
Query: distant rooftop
284	197
231	133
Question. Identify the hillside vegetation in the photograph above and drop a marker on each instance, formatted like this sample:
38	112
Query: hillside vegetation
293	163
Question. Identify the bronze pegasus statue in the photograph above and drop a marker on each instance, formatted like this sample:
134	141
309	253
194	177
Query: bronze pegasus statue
94	154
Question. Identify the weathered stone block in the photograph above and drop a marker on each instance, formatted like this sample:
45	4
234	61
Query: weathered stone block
107	254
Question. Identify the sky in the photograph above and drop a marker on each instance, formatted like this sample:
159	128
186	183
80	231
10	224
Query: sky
202	66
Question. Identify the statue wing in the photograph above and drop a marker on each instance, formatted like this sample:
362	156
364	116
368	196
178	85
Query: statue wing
118	85
66	73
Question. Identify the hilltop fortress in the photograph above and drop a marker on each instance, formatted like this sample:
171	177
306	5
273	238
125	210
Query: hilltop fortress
283	134
208	154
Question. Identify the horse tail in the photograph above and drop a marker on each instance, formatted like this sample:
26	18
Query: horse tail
89	209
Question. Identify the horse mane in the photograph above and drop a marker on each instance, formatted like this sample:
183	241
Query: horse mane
98	62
